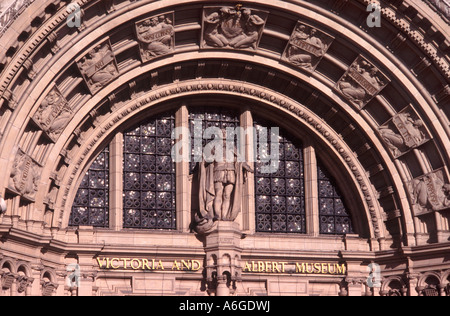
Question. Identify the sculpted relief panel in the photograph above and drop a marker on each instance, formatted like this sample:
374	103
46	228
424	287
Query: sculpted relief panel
98	67
430	192
307	47
404	132
362	82
156	36
25	175
53	114
228	27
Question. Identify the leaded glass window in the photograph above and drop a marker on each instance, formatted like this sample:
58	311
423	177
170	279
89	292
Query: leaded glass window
280	198
149	176
209	117
91	204
334	217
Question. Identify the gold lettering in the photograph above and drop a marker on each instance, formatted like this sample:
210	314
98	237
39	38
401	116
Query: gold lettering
100	265
175	265
317	267
196	262
260	266
324	271
254	269
268	269
112	263
282	265
340	269
275	267
186	264
160	264
329	269
125	262
133	266
145	264
299	268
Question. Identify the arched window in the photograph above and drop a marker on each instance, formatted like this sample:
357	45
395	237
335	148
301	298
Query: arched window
91	204
145	189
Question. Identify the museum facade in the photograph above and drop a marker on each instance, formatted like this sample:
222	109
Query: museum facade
202	148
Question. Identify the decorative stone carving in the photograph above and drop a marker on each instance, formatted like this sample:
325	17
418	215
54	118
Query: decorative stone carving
25	175
362	82
220	189
228	27
99	66
442	6
156	36
430	192
53	114
404	132
307	47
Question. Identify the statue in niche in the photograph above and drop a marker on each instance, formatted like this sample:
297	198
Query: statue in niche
99	67
430	193
221	181
156	36
228	27
307	47
411	133
53	114
361	83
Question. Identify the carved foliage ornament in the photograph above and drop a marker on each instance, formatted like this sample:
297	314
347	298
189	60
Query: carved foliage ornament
307	46
25	175
99	66
361	82
156	36
430	192
53	114
404	132
232	27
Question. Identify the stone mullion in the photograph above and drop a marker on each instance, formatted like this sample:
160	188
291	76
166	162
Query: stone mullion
116	183
183	183
311	191
248	214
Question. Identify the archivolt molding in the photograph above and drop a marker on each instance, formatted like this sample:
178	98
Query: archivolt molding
42	75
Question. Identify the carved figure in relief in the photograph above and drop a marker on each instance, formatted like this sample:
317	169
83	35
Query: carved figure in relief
307	46
98	67
220	188
156	36
361	82
53	114
410	136
430	192
232	27
25	175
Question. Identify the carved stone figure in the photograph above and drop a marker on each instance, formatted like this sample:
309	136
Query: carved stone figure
307	47
404	132
156	36
99	67
430	193
53	114
361	83
443	6
220	189
25	175
228	27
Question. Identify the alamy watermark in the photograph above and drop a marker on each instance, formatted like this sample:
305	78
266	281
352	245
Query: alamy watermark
374	18
227	145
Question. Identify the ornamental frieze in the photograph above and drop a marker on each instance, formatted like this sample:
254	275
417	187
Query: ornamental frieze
361	82
99	66
232	27
307	46
156	36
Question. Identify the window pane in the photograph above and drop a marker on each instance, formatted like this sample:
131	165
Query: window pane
280	197
91	204
334	218
149	175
